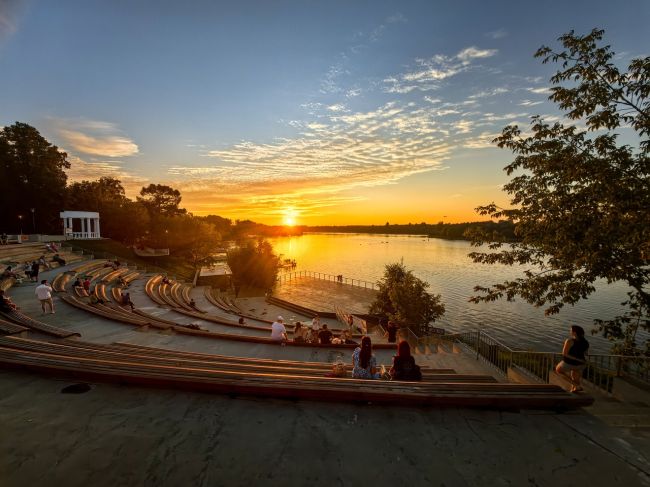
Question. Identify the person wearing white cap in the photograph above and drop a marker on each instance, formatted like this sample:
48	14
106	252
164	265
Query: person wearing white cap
278	331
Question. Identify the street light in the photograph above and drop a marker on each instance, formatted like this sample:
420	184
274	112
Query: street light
33	210
20	220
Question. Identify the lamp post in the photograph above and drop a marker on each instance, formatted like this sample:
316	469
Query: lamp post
33	210
20	221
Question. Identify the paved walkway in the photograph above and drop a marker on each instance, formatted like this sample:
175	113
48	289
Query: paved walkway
124	436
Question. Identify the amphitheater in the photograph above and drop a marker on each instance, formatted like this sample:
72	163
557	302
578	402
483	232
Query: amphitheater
176	392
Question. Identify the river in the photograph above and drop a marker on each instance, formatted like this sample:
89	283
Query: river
444	264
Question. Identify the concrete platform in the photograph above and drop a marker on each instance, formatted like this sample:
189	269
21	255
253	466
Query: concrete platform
127	436
322	295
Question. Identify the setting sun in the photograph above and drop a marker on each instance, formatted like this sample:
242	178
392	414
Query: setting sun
289	217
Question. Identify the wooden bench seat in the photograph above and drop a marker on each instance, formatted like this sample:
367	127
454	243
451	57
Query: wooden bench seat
111	314
493	395
24	320
207	357
151	289
9	328
74	349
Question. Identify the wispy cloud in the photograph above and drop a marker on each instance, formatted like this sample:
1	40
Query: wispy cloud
429	72
81	170
324	165
497	34
95	138
540	91
486	93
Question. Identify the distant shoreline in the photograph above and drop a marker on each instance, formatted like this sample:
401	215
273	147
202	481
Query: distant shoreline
446	231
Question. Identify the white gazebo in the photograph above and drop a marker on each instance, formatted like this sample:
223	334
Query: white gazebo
87	228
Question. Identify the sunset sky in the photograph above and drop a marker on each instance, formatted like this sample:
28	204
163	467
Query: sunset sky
333	112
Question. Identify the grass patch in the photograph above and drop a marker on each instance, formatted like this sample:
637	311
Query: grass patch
108	248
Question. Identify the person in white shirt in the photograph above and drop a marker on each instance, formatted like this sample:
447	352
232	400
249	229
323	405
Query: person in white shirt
315	323
44	295
278	331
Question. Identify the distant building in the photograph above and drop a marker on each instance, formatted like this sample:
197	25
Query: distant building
82	225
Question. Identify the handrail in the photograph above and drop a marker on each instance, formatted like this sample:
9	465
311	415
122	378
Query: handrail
326	277
601	369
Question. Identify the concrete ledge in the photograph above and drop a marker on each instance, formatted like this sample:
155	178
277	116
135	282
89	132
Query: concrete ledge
521	376
624	390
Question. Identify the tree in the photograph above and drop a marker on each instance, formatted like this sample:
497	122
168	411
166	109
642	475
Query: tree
160	199
254	264
33	176
402	297
580	200
221	225
187	237
106	196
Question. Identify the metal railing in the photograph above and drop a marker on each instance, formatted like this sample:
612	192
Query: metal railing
601	370
289	276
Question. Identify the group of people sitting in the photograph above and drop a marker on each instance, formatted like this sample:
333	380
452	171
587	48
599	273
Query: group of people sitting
317	333
114	264
52	247
29	270
83	287
364	363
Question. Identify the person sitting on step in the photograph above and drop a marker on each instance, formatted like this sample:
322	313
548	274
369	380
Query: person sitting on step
58	259
278	330
96	300
126	301
43	262
6	304
325	336
364	363
404	366
77	285
299	332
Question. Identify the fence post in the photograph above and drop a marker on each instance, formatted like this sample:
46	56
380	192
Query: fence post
478	342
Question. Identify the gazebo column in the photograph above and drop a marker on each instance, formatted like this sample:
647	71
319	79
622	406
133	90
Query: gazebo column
97	228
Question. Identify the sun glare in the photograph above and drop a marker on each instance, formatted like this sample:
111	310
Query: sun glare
289	217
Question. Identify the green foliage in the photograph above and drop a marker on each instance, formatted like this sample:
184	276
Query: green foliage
579	200
161	200
121	218
187	237
403	298
254	264
32	176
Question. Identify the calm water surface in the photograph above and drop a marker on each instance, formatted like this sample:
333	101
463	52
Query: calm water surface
445	266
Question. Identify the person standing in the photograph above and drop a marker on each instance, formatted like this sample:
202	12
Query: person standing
391	332
574	358
36	267
44	294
